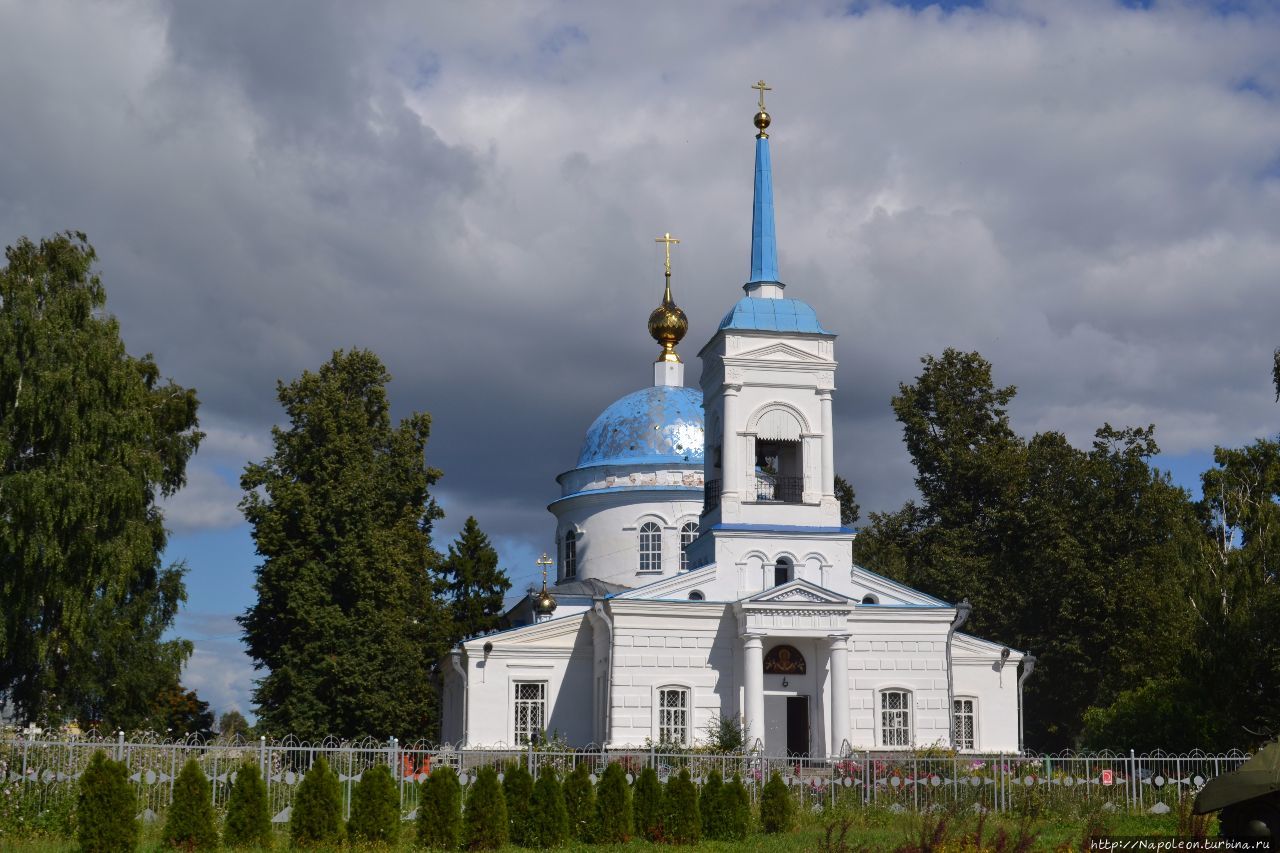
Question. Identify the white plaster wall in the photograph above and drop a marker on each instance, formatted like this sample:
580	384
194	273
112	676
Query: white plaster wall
996	689
608	528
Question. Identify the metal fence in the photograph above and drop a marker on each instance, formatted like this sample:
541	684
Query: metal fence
41	772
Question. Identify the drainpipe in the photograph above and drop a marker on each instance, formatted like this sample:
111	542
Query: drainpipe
608	681
455	656
1028	667
963	609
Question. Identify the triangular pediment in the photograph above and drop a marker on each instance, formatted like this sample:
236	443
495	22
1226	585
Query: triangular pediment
781	352
798	592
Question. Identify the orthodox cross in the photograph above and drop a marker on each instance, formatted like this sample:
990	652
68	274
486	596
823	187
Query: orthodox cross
763	88
668	240
544	561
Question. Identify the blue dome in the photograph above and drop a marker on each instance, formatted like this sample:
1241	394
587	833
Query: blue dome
654	426
773	315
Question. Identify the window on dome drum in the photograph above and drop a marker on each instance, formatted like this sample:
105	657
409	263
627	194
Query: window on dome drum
696	595
650	547
569	559
688	533
530	710
673	715
870	599
964	720
782	571
895	718
779	471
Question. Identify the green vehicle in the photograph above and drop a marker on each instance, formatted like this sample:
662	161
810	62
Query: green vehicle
1248	797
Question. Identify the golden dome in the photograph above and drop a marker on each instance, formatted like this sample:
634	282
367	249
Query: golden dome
668	325
762	121
544	603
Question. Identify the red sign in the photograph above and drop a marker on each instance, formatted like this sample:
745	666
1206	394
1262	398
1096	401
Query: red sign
1108	777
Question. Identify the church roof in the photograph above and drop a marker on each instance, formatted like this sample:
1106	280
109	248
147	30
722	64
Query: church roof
773	315
661	425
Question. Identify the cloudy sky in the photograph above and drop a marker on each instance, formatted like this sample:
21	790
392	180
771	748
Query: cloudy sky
1086	192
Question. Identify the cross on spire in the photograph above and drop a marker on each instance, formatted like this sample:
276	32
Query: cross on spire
763	88
669	241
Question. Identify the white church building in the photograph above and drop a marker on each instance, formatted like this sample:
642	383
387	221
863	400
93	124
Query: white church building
702	570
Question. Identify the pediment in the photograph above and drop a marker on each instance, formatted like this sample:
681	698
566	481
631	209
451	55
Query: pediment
781	352
799	592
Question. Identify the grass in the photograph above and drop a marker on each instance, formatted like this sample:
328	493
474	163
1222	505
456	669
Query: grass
869	829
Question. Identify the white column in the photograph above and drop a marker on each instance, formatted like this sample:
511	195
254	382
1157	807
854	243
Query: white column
753	686
839	691
828	447
730	458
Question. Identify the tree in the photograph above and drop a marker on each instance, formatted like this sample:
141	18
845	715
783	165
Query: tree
474	584
580	801
549	821
105	807
613	823
646	803
711	806
439	810
345	616
681	819
777	812
248	816
90	440
484	822
736	807
190	824
517	790
375	808
849	509
316	818
232	724
179	713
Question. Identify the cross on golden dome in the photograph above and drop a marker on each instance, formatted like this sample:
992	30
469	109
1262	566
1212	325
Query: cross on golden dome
669	241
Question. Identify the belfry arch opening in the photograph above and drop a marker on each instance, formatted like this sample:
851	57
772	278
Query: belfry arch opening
779	456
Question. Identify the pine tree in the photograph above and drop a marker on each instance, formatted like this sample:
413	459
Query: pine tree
517	788
681	820
484	822
474	584
190	823
848	500
736	810
549	821
580	802
105	807
440	810
647	806
711	805
776	808
90	441
613	820
345	618
375	808
317	807
248	815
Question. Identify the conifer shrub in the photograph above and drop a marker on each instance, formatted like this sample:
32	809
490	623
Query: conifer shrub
375	808
190	824
548	821
440	810
776	808
647	806
517	787
613	823
484	823
735	809
580	802
105	807
317	808
248	818
681	821
711	805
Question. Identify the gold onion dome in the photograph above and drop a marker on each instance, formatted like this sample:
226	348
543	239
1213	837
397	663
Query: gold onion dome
762	120
544	603
667	323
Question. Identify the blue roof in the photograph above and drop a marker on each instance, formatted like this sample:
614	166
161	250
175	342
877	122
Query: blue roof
773	315
662	425
764	241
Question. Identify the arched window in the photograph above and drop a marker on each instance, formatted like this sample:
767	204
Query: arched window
696	595
688	533
782	571
673	715
870	598
650	547
895	718
569	560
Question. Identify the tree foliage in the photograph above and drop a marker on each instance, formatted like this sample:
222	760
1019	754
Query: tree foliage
190	824
248	821
646	801
105	807
549	821
613	819
777	811
735	809
316	818
375	808
440	810
473	583
517	789
90	440
580	802
232	724
850	512
711	805
180	713
484	823
681	819
345	618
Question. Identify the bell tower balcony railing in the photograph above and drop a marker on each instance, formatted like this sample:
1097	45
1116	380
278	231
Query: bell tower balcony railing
784	490
710	496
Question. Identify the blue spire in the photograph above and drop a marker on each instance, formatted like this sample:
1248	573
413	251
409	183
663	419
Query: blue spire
764	243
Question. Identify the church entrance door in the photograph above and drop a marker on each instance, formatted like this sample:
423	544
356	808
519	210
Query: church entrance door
798	725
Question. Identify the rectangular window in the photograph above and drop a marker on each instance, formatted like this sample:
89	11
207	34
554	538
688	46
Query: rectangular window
570	560
963	710
895	718
530	710
673	715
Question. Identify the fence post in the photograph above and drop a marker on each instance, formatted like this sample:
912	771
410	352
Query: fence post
120	745
263	764
1133	780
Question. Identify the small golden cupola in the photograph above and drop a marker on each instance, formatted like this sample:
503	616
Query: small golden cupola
544	603
667	323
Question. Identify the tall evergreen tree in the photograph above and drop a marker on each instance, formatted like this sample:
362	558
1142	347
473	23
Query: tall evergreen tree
850	512
90	440
344	624
474	583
